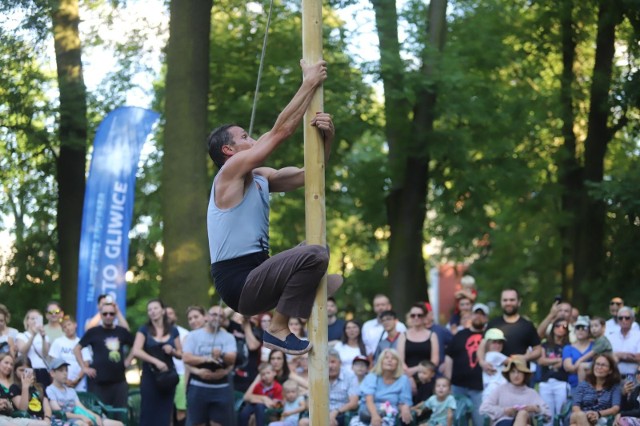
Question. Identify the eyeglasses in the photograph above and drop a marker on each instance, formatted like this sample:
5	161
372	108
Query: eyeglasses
108	314
54	312
416	315
581	327
626	318
213	314
565	326
615	303
601	365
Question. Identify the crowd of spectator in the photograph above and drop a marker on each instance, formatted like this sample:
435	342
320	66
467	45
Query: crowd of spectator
579	369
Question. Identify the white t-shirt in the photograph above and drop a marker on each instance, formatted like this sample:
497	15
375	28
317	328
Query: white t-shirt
347	354
62	347
492	381
372	331
34	354
178	363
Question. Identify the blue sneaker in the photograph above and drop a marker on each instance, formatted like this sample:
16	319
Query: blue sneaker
291	345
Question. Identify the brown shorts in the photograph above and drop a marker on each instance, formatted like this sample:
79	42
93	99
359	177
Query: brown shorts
286	282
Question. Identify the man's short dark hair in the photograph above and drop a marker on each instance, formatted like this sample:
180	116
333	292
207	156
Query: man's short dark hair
389	313
331	299
218	138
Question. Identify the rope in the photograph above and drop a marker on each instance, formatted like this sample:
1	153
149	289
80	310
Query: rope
264	50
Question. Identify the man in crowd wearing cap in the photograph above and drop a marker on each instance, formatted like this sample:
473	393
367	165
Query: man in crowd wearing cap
391	338
461	360
111	346
625	342
373	330
520	334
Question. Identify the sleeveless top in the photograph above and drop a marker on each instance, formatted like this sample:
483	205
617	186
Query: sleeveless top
242	229
154	347
414	352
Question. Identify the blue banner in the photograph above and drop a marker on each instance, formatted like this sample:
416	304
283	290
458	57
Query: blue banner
108	208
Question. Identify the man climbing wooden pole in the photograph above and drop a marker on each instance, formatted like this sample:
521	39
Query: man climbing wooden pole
314	165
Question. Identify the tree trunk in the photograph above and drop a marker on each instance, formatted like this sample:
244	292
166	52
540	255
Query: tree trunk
408	151
184	174
569	169
590	248
71	161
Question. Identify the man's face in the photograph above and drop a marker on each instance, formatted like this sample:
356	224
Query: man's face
171	314
332	309
614	305
334	367
214	317
564	311
108	314
241	140
381	304
509	302
625	319
388	323
478	320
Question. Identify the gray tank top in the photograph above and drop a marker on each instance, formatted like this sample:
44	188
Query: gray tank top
243	229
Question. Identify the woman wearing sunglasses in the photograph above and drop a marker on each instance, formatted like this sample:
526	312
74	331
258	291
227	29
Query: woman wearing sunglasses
553	384
575	356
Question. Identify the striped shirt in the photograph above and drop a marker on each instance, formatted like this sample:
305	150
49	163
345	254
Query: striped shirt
589	398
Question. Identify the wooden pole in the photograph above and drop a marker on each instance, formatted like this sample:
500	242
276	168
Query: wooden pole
315	219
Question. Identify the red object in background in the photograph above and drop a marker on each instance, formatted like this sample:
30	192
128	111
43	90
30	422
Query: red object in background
449	283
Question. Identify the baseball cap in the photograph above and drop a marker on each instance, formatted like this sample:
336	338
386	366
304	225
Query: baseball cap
361	358
582	320
57	363
480	307
494	334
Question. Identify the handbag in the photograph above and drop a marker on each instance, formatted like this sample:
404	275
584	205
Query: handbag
165	380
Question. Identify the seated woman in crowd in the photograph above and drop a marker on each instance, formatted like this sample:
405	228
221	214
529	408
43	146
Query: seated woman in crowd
514	403
31	397
577	354
629	414
385	393
599	395
10	396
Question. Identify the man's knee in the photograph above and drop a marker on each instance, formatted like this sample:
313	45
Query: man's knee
319	254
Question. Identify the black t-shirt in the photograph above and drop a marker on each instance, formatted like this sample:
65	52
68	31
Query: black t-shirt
466	370
519	335
7	394
35	408
110	347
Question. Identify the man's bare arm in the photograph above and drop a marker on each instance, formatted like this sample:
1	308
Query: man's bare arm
243	162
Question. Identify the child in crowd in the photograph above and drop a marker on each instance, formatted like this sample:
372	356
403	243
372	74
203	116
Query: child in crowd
31	395
424	381
601	345
63	346
267	393
495	357
442	404
391	338
360	367
467	289
64	398
294	404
